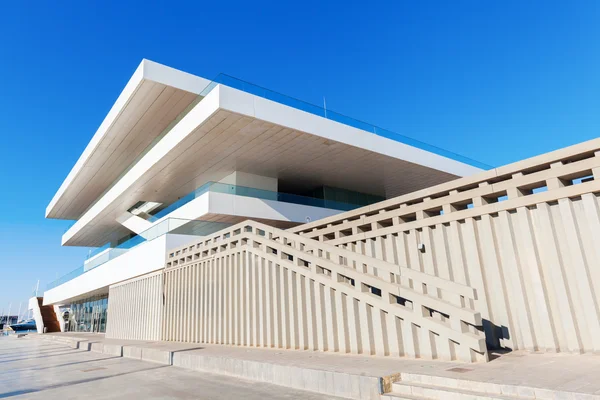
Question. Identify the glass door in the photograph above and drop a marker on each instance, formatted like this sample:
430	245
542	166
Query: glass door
96	317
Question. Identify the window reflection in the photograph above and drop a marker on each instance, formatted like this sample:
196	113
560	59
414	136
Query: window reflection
88	315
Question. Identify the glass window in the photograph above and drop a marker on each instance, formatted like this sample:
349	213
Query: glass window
88	315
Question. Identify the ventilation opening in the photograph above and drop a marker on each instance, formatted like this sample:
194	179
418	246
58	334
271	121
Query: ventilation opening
496	197
583	179
346	279
364	228
323	271
386	223
432	313
577	178
433	212
371	289
329	236
402	301
409	217
462	205
533	188
346	232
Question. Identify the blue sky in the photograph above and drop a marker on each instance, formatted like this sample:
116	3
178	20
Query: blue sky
495	81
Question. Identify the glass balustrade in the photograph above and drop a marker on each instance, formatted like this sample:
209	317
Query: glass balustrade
268	94
218	187
106	253
170	225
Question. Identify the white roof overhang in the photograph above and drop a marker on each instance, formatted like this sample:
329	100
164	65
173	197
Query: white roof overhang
230	130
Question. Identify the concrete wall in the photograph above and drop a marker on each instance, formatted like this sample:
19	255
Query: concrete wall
513	251
241	178
142	259
254	285
532	257
34	306
241	206
61	321
135	308
250	207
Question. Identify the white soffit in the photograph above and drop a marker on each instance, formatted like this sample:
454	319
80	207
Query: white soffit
154	96
232	130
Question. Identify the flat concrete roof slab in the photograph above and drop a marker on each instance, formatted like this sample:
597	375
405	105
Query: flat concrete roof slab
154	96
230	130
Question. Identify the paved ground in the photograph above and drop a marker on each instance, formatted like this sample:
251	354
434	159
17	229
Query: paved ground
555	371
35	369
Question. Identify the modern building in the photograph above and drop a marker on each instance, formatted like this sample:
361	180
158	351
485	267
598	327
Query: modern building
221	212
180	157
503	259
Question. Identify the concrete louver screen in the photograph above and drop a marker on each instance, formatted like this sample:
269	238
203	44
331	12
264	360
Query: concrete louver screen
512	253
254	285
525	236
135	308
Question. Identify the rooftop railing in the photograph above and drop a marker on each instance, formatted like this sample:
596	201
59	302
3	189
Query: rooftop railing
218	187
94	252
268	94
169	225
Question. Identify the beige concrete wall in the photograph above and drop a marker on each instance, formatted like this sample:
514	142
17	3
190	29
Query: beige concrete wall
254	285
245	179
34	306
533	258
135	308
512	252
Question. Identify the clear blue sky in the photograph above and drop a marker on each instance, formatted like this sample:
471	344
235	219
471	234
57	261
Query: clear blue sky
495	81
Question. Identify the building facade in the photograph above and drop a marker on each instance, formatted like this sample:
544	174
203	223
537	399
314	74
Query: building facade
180	158
503	259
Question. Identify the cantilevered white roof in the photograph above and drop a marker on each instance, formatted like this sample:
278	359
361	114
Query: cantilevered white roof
154	96
231	130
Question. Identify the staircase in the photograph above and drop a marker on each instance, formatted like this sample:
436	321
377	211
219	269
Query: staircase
272	288
426	387
49	317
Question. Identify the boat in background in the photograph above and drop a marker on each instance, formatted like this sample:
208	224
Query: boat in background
24	325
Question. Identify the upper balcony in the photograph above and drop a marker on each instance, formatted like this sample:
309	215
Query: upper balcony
210	208
141	254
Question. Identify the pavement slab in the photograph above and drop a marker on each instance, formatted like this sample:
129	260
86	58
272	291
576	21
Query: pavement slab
35	369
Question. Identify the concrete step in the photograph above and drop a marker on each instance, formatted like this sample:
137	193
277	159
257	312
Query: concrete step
431	392
350	385
398	396
467	384
485	390
332	383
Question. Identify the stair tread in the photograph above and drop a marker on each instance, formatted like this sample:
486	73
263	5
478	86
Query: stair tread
453	390
400	396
